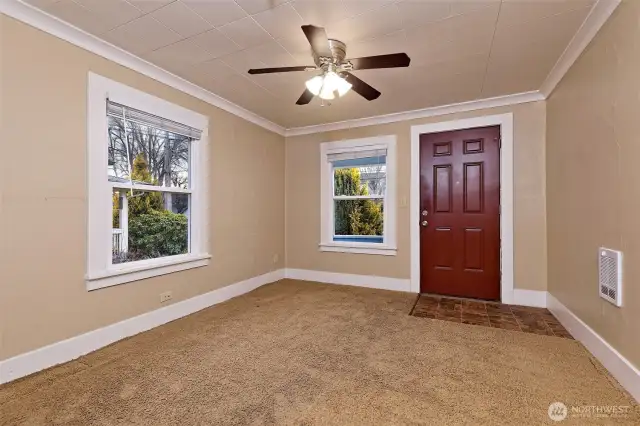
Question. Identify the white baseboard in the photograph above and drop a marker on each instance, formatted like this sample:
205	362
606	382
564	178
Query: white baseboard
619	367
535	298
383	283
70	349
22	365
520	297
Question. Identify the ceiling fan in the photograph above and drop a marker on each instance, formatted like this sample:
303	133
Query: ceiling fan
329	57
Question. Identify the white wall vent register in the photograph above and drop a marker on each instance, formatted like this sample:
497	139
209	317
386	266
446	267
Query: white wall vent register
610	272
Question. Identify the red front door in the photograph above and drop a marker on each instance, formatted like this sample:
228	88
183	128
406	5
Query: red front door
460	213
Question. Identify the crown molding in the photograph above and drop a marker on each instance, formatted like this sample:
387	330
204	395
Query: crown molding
518	98
37	18
50	24
599	14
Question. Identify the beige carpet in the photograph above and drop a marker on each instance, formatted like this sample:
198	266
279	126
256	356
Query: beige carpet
306	353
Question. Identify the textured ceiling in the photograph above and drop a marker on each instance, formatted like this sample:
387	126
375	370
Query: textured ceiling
461	50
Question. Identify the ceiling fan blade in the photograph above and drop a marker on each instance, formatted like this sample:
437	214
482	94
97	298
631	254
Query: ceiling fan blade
394	60
281	69
318	40
305	98
362	88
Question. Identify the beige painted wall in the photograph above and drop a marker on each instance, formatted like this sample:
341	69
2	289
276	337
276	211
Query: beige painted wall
43	202
303	200
593	179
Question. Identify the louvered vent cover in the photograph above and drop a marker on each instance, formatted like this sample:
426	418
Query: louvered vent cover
610	270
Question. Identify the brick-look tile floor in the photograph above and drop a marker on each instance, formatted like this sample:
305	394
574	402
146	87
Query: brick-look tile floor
489	314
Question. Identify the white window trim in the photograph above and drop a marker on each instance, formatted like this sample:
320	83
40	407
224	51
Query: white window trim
388	247
100	272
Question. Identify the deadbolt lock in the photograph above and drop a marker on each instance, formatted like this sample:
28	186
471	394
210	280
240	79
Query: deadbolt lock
425	213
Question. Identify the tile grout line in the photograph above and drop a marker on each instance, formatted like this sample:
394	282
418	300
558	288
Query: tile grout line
414	305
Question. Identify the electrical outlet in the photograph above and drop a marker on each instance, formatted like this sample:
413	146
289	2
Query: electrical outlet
166	296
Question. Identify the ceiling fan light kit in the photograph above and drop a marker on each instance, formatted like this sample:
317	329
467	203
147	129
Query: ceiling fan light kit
327	84
336	77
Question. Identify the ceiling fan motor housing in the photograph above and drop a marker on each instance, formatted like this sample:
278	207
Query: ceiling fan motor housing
338	53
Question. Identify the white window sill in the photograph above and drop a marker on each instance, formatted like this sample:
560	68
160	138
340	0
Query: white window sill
124	273
360	248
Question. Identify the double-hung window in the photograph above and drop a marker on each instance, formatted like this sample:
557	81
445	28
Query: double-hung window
358	196
145	192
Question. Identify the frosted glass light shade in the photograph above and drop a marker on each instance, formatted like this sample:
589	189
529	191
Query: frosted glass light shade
325	86
335	82
315	84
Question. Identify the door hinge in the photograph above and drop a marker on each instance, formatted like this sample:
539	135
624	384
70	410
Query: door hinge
499	142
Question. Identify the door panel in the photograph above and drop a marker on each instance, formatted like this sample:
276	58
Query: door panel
443	192
473	188
460	193
444	257
473	249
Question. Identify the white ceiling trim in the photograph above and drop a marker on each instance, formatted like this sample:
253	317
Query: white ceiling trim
37	18
61	29
599	14
499	101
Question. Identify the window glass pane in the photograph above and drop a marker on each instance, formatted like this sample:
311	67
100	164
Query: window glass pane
147	155
148	225
361	180
358	220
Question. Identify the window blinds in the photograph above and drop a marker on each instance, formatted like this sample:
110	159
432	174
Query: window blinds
358	158
131	114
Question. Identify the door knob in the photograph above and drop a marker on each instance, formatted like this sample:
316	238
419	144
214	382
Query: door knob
424	223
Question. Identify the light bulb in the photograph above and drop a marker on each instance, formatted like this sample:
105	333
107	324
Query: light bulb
315	84
337	83
326	92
